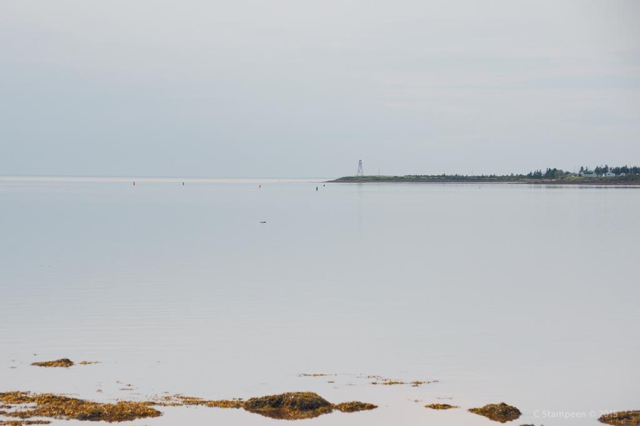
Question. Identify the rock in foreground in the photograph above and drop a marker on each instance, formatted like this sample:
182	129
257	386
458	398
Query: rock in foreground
299	405
622	418
498	412
289	406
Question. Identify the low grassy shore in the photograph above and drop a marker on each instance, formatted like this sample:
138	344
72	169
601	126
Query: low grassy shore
520	179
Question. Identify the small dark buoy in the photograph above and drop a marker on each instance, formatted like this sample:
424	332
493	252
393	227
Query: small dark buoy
182	183
316	188
134	184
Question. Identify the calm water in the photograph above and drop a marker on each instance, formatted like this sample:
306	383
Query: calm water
522	294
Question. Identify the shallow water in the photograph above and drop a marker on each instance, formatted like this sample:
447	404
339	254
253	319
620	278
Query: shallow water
513	293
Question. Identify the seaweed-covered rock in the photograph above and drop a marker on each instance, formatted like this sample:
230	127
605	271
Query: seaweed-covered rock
63	362
621	418
498	412
441	406
354	406
289	406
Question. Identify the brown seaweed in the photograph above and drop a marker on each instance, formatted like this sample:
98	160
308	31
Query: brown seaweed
287	406
62	407
62	362
621	418
441	406
354	406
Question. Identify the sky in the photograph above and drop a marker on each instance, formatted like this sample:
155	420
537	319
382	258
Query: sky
299	88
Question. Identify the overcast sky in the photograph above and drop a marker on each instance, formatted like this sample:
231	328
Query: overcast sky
297	88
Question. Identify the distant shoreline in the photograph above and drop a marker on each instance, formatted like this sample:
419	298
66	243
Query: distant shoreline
615	181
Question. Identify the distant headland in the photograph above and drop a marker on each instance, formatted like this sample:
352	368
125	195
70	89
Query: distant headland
605	175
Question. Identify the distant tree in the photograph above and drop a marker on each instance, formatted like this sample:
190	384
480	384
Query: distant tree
554	174
537	174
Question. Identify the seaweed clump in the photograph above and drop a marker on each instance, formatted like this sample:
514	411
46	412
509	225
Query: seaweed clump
498	412
181	400
62	407
354	406
62	362
379	380
315	375
621	418
441	406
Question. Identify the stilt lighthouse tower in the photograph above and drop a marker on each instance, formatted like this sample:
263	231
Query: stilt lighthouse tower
360	172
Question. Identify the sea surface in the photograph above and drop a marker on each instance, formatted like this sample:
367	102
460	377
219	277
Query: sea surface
521	294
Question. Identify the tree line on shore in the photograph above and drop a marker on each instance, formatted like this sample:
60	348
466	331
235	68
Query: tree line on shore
599	171
617	170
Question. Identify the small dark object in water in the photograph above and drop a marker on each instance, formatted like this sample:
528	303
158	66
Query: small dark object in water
621	418
264	221
498	412
63	362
